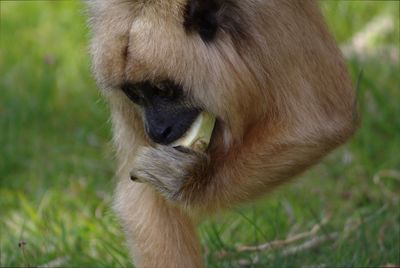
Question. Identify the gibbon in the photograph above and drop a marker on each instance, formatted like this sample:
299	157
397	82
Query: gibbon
270	73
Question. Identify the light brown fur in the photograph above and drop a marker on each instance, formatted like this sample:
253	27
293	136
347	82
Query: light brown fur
282	96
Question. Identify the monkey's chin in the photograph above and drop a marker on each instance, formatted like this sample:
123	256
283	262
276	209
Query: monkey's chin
198	137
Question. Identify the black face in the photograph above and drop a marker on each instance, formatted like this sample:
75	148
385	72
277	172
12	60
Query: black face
167	115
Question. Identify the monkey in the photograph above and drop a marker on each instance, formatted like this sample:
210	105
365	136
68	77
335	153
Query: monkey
270	72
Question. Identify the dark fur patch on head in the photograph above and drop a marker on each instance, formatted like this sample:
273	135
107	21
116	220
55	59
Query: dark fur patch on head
207	17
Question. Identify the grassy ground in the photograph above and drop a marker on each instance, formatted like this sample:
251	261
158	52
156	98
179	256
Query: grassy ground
56	161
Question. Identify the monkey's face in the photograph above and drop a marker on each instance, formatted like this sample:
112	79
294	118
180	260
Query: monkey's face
171	60
167	114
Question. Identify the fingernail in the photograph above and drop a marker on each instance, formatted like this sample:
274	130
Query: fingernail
181	149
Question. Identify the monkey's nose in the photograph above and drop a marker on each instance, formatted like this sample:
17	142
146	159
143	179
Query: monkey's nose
161	134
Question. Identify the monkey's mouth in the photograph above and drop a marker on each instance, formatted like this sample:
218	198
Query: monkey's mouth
199	135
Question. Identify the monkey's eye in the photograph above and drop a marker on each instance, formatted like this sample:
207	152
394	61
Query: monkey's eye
133	93
165	89
169	90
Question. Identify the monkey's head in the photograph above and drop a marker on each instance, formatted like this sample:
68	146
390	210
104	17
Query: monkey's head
161	63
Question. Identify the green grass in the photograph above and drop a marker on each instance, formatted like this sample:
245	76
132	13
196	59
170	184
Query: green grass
56	161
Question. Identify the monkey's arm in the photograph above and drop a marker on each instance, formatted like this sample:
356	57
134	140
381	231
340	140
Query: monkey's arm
266	158
258	167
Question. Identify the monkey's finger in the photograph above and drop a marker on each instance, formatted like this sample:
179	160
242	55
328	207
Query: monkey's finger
134	178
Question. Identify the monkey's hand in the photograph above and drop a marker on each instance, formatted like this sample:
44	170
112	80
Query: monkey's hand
170	170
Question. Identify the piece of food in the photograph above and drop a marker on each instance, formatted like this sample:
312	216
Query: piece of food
199	135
